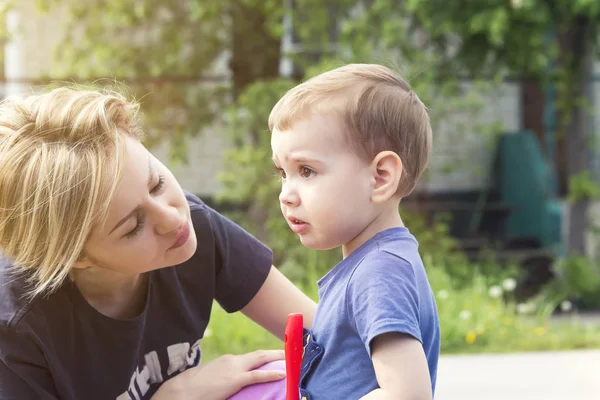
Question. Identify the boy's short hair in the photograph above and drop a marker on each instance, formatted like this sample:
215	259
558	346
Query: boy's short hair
379	110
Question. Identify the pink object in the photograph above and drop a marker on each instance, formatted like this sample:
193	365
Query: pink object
264	391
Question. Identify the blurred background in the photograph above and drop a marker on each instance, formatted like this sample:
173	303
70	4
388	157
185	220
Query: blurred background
508	214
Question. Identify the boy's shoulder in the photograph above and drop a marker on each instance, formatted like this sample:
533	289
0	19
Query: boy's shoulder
393	246
390	252
394	243
393	236
392	255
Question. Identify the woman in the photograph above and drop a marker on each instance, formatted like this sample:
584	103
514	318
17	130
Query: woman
108	269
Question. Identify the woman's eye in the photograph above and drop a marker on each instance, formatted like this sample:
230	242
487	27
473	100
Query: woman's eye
159	185
306	172
137	229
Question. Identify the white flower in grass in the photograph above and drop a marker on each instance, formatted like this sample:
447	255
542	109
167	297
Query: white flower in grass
524	308
566	306
516	3
509	284
464	315
495	291
443	294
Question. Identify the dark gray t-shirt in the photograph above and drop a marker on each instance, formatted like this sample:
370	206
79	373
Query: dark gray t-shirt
60	347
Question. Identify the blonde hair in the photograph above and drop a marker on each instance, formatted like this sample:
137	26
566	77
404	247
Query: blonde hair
60	163
379	109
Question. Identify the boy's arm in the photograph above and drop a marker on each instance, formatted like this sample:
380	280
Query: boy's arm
383	298
401	368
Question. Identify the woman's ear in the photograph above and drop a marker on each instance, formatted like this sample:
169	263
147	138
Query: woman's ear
387	171
82	263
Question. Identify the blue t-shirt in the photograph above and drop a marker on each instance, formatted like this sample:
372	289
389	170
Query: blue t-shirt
381	287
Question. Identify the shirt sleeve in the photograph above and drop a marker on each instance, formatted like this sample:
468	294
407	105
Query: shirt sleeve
383	297
242	262
23	370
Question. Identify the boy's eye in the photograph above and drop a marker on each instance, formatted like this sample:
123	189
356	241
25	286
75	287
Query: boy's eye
280	172
306	172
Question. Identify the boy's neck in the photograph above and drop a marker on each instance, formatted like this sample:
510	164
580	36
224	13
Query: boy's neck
386	219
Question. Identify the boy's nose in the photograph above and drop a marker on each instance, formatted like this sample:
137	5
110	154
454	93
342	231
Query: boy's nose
288	196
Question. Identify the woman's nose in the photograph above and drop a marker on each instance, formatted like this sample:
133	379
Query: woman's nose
168	219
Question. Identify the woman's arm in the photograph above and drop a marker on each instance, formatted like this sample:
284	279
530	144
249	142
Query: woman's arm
276	299
12	386
24	370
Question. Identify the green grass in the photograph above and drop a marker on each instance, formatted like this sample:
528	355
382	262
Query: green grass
234	334
478	315
489	330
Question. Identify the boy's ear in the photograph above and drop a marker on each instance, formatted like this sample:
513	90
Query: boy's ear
387	170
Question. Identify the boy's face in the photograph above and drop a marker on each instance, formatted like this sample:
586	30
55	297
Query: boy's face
326	188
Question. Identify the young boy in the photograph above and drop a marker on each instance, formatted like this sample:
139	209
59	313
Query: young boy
350	144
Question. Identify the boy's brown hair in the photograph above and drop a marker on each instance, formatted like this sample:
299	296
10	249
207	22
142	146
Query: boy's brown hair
379	110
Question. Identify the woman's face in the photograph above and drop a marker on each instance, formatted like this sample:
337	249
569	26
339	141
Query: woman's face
148	225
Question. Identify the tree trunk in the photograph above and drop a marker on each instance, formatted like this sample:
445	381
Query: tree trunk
255	52
255	55
577	162
532	109
576	45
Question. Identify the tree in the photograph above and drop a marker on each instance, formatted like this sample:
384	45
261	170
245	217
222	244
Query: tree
171	46
380	34
174	51
5	7
525	37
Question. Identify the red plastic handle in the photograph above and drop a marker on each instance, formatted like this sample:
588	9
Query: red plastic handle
293	355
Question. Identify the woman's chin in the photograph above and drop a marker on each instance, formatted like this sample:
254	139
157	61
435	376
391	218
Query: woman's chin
183	253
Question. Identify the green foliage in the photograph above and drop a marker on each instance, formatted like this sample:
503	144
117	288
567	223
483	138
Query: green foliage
141	38
476	305
484	316
173	51
170	47
494	31
542	41
249	177
580	276
583	186
462	288
578	281
512	34
480	317
248	171
5	7
146	40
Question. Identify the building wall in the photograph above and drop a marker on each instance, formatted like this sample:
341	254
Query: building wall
469	153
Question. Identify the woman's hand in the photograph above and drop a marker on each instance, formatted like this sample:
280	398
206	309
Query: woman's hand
221	378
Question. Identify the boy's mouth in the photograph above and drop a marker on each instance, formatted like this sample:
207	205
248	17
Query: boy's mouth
297	225
295	221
